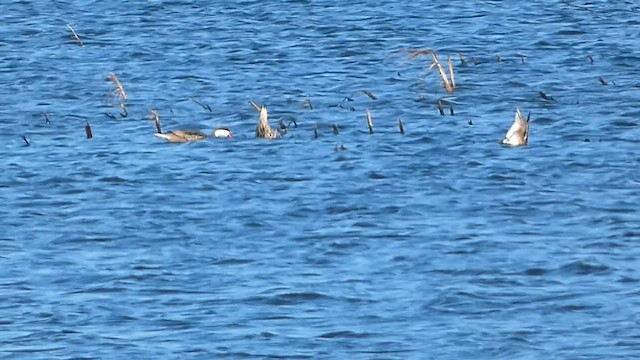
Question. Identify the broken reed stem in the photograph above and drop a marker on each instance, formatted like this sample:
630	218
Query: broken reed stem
315	131
156	119
453	80
451	110
119	88
463	62
400	126
369	121
255	105
124	112
369	94
87	130
205	106
75	36
440	107
413	53
443	74
306	104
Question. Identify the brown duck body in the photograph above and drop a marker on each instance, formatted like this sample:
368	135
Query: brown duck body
191	135
183	136
518	134
263	129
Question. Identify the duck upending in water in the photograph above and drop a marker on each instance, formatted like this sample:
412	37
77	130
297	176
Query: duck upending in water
190	135
518	134
263	129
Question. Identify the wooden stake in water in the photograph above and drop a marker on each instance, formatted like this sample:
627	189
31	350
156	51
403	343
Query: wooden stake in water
87	130
369	121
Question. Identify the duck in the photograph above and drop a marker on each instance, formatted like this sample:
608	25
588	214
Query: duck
222	132
518	134
193	135
263	129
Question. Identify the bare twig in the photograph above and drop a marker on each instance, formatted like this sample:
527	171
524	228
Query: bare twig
156	119
87	130
369	121
369	94
119	90
205	106
124	112
75	36
255	105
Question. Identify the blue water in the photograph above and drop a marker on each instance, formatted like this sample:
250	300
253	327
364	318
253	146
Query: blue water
436	244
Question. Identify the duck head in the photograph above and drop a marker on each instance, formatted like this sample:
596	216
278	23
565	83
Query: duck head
222	133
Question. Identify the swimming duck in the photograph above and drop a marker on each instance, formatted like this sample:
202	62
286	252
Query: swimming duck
182	136
263	129
518	134
190	135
